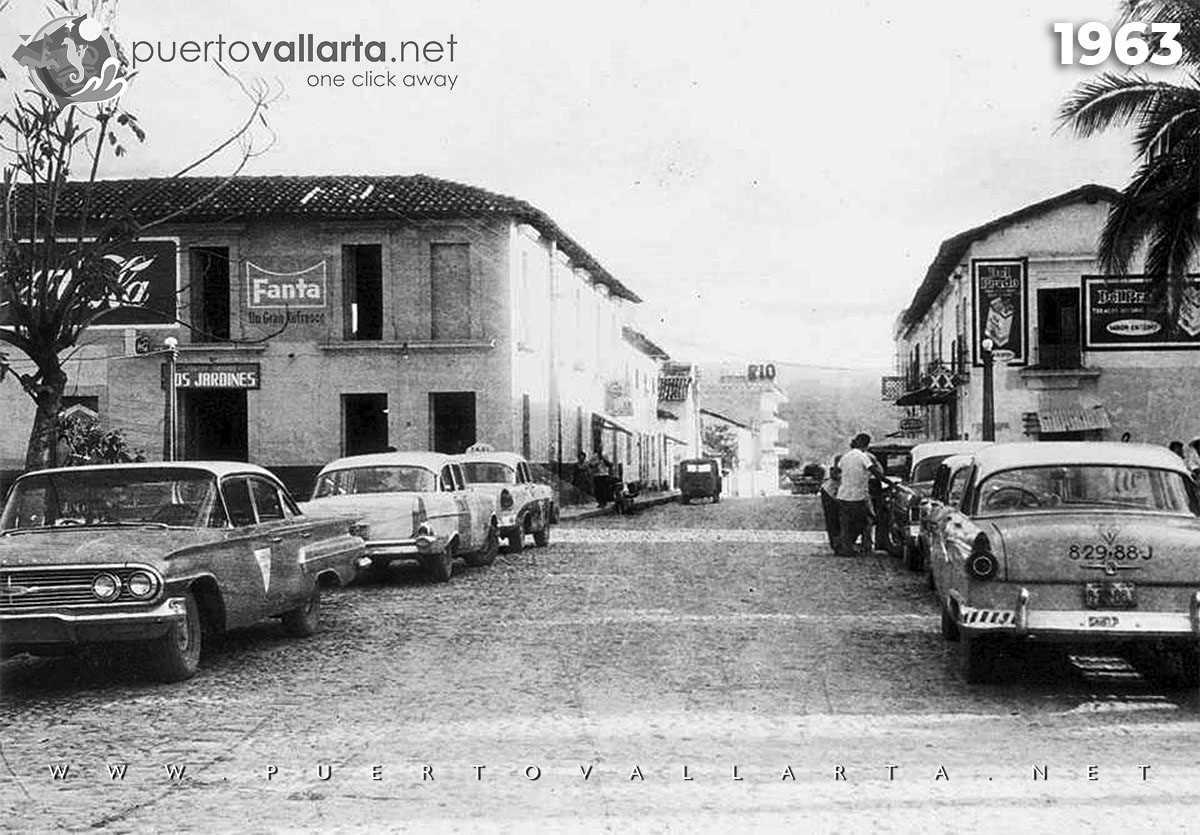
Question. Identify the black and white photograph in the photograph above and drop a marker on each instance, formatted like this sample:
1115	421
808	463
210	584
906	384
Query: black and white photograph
478	416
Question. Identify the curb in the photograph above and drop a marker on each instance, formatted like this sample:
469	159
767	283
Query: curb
638	503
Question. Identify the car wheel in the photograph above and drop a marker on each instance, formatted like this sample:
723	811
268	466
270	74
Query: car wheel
491	547
440	567
977	658
176	655
949	627
894	541
685	499
516	539
304	620
541	538
716	498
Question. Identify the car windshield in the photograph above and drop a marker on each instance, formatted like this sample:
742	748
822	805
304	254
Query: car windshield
1085	487
924	469
380	479
489	472
135	496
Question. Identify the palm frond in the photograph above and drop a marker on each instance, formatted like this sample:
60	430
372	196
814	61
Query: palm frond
1184	12
1110	99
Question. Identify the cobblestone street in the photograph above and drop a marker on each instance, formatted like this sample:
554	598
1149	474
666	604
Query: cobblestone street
690	667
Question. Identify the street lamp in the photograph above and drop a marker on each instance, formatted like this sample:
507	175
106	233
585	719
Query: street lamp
989	396
172	346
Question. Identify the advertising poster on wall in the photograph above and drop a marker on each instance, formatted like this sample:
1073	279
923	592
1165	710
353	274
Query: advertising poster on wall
1121	315
1000	292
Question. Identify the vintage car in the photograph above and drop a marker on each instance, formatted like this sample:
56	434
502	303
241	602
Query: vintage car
415	505
525	506
1068	541
894	456
159	554
700	478
905	499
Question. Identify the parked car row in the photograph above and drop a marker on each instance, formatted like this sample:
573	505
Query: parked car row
1088	543
153	556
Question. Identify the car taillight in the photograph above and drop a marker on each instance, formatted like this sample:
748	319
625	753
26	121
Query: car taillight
982	563
418	516
506	500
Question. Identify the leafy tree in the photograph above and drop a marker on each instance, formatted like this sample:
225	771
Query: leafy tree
1158	208
721	439
86	442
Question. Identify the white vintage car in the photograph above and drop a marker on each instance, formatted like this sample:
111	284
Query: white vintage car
525	505
416	506
1068	541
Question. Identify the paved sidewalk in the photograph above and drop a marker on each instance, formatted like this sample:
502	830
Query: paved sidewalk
587	511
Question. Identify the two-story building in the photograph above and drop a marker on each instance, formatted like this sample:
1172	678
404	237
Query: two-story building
321	316
1076	355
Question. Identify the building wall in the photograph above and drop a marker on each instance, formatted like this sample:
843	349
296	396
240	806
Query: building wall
1147	393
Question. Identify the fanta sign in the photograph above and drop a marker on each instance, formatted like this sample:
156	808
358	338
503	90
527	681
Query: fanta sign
306	288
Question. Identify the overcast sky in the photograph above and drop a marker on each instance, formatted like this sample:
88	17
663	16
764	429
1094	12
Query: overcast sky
773	178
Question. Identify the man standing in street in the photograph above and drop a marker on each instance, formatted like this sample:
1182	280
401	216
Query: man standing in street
853	495
829	506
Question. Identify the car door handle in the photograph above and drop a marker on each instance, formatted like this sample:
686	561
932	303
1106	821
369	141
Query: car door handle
274	539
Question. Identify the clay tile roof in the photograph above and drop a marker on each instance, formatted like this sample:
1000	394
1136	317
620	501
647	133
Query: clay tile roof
319	197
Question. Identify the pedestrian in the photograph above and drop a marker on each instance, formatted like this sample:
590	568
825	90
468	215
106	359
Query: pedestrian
600	469
1176	447
829	505
1193	460
853	496
582	478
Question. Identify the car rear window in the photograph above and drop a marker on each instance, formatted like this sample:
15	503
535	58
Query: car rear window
379	479
1085	487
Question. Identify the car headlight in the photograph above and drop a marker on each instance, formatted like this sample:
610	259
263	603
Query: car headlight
106	587
141	585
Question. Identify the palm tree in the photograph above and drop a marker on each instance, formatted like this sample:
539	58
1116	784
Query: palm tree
1160	207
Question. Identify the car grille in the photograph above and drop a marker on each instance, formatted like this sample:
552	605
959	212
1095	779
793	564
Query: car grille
24	589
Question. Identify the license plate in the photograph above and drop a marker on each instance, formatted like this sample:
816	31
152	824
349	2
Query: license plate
1110	595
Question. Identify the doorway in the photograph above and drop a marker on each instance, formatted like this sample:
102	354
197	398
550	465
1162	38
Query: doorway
365	423
214	425
452	421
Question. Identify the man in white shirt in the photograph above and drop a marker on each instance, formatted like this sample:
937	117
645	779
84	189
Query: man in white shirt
854	499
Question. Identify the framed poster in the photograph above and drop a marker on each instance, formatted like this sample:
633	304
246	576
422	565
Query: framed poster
1000	307
1118	315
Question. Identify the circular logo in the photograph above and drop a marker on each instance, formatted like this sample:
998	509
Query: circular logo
73	60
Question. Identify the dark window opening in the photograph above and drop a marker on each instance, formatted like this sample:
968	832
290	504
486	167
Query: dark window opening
450	299
266	500
1058	328
209	293
237	499
362	291
452	421
214	425
365	422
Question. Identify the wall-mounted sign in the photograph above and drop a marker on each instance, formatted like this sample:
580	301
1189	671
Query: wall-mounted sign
912	424
148	273
244	375
761	371
304	288
1119	316
1000	291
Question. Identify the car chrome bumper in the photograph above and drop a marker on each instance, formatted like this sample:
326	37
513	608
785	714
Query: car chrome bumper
401	548
1084	624
41	628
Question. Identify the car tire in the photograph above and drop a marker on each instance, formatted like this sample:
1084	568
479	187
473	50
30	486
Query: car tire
541	538
176	655
716	498
304	620
491	547
949	627
440	567
685	499
894	542
977	659
516	539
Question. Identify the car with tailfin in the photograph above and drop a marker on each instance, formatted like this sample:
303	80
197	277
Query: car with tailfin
153	556
1080	542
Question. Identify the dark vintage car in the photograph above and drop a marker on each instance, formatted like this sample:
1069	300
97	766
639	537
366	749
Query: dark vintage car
700	478
154	555
895	459
1092	543
905	499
